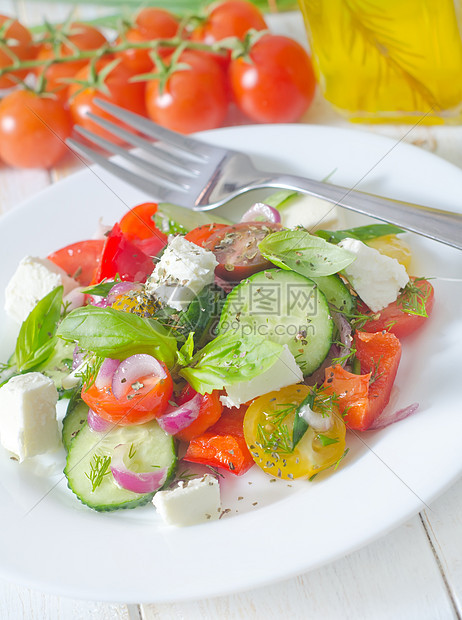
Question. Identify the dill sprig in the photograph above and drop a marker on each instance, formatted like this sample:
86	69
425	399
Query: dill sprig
90	370
413	299
99	467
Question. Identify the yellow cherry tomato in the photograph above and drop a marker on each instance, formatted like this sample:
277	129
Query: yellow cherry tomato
394	247
268	431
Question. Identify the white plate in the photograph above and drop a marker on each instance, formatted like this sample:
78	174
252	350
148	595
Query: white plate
52	542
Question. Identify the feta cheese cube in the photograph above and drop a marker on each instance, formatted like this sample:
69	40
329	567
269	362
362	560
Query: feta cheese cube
285	371
33	279
197	501
375	277
182	272
311	213
28	424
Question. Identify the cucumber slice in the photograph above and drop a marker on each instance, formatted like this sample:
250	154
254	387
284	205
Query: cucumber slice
336	292
59	364
151	446
187	218
285	307
75	418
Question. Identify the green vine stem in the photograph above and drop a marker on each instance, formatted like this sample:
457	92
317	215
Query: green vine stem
114	49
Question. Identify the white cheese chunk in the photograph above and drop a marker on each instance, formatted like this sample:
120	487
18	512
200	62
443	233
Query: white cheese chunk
285	371
182	272
197	501
375	277
33	279
311	213
28	424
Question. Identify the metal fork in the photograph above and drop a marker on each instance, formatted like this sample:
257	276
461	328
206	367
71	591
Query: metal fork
191	173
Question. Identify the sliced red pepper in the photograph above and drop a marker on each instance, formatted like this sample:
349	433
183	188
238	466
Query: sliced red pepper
362	398
223	445
122	256
209	413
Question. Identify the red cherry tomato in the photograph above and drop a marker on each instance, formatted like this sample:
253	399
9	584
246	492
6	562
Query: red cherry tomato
394	317
277	84
16	40
193	99
136	406
201	234
236	249
151	23
209	413
232	18
33	130
122	92
78	37
79	260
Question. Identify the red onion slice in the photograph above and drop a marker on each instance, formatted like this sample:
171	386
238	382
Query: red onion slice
106	373
259	212
133	368
390	417
97	423
120	289
143	482
178	418
78	357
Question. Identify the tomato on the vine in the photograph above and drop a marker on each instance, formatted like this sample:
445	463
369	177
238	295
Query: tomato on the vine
232	18
151	23
77	37
115	86
191	99
15	41
33	129
277	84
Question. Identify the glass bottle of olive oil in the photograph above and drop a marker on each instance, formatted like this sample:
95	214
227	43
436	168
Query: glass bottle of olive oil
388	60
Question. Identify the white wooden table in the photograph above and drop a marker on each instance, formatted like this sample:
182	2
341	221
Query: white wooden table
412	573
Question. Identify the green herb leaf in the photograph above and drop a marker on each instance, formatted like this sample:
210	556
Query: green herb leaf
99	467
102	289
112	333
185	354
363	233
306	254
228	359
300	424
282	199
37	336
413	298
325	440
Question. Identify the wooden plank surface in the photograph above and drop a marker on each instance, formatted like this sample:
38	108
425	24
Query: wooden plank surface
414	572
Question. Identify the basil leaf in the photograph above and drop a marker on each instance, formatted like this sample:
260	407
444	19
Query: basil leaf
102	289
185	354
228	359
363	233
300	424
112	333
308	255
37	339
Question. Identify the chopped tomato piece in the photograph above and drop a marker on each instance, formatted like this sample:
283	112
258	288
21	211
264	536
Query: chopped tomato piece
398	318
236	249
202	233
223	445
362	398
137	406
79	260
209	413
124	257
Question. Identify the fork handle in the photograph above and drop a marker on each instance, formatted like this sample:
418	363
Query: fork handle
443	226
